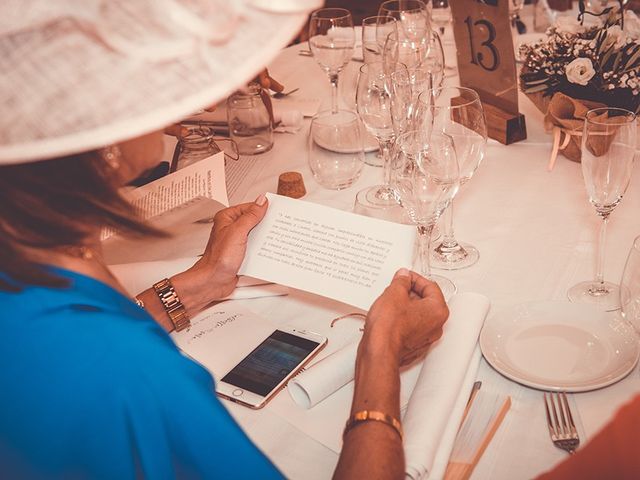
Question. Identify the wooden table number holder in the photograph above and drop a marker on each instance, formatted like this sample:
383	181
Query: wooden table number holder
486	64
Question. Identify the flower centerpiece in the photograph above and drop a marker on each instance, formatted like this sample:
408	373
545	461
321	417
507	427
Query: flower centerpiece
579	67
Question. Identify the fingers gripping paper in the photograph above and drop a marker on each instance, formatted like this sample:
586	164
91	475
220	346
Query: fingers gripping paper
432	404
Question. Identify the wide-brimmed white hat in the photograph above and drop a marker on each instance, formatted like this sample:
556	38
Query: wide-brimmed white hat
82	74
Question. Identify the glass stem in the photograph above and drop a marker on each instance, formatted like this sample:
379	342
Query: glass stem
333	78
449	239
600	258
385	150
424	246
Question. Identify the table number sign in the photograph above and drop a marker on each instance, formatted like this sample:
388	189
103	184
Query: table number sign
486	63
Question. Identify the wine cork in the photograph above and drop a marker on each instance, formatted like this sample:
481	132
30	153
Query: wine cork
291	184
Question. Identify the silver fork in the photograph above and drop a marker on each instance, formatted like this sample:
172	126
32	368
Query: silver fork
562	428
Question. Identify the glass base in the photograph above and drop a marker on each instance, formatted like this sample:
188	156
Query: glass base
447	286
605	295
462	255
378	202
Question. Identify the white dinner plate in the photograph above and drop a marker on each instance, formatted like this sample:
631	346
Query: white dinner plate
560	346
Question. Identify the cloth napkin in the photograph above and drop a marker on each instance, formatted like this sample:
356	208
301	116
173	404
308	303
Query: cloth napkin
136	277
433	402
324	377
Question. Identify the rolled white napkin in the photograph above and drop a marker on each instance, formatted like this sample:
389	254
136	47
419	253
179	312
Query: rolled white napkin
324	377
136	277
432	404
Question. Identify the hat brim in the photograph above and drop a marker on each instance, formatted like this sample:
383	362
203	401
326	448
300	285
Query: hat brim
96	96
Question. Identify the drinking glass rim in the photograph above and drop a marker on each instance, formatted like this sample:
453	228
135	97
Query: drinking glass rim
345	13
422	6
626	118
466	104
364	20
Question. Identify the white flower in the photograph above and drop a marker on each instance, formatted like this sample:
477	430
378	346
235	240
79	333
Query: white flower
631	24
580	71
567	24
616	36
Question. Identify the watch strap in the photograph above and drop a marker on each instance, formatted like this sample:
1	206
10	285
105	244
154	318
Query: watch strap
172	304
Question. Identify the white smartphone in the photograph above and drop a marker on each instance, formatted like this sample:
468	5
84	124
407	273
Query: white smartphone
268	368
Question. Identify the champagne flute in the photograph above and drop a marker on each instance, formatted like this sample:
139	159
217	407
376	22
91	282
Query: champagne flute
406	86
425	178
331	41
458	112
630	287
608	148
415	52
373	103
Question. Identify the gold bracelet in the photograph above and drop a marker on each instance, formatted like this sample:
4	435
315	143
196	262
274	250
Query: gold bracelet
367	415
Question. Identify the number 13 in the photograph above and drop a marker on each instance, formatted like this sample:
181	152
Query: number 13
478	58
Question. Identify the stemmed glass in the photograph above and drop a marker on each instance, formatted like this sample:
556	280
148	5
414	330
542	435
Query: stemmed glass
458	112
406	86
423	50
331	40
373	103
413	15
608	148
425	179
375	31
630	287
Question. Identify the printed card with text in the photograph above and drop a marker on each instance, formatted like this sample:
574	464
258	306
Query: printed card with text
340	255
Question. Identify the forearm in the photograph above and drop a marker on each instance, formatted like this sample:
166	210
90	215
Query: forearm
374	449
194	291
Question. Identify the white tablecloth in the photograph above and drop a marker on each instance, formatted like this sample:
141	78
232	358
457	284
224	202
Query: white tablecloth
537	236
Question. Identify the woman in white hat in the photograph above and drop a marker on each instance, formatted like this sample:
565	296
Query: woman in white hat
91	385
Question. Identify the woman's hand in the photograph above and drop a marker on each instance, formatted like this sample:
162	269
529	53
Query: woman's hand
228	243
408	316
215	275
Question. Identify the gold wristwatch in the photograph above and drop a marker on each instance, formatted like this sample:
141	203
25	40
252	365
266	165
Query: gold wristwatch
172	305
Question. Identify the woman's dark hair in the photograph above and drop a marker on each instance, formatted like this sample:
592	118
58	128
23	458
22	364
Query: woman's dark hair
57	203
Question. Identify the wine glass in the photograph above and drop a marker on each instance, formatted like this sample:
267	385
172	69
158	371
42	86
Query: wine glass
331	41
630	287
424	180
608	148
375	31
373	103
458	112
413	15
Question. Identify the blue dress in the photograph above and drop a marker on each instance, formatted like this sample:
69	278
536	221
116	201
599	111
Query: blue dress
92	387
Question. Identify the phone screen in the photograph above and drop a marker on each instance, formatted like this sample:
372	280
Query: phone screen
270	362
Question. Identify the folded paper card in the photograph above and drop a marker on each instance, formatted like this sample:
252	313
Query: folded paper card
432	405
137	277
340	255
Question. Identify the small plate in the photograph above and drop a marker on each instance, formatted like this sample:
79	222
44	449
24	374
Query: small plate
560	346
